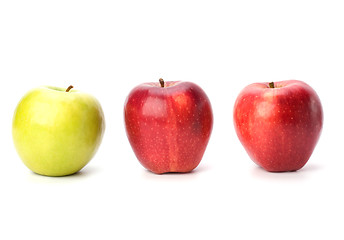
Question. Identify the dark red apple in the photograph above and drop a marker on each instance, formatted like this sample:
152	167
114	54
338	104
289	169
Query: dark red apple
168	125
278	123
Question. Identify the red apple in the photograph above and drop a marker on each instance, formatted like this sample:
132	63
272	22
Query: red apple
168	125
278	123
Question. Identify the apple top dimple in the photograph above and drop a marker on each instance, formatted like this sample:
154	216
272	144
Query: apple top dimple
166	84
59	89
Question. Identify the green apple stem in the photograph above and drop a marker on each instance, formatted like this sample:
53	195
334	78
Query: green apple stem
271	85
69	88
162	83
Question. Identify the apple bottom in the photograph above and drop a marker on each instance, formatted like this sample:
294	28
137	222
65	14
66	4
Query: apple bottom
168	152
280	147
278	160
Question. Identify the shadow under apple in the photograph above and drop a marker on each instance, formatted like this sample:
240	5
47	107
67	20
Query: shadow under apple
302	174
176	175
86	172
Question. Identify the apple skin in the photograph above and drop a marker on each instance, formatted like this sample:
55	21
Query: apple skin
56	133
278	127
168	127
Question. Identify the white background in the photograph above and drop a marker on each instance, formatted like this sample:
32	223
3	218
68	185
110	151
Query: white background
108	47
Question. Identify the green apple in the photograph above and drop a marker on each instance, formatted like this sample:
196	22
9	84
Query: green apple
57	131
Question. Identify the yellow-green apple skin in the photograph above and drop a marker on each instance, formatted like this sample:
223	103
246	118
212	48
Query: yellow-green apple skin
56	133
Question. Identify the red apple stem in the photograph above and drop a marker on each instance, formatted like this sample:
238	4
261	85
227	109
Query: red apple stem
162	83
69	88
271	85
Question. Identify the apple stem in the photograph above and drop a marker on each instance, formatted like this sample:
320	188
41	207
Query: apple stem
162	83
271	85
69	88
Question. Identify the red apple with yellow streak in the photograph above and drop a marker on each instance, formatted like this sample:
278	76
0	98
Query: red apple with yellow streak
168	125
279	123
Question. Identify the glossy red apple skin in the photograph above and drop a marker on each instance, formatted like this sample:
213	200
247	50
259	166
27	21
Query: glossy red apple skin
278	127
168	127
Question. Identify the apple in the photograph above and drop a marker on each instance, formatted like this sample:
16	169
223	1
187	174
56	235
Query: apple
168	125
279	123
57	131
